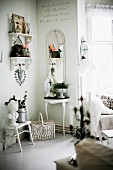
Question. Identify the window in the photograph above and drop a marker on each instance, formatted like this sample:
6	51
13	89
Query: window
100	37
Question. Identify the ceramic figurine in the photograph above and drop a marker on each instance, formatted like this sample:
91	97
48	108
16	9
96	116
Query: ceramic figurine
48	85
13	114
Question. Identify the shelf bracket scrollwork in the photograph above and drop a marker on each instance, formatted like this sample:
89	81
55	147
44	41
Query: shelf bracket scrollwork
16	60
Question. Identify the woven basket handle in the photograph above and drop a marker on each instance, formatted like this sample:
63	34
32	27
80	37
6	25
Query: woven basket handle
42	121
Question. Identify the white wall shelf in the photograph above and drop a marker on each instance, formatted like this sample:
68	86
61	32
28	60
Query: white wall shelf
28	37
14	61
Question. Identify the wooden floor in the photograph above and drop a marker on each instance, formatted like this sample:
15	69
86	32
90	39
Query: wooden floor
40	156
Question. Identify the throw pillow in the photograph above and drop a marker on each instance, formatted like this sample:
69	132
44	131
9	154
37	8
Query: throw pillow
92	155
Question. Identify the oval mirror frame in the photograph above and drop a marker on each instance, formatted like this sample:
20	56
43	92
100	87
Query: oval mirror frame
56	55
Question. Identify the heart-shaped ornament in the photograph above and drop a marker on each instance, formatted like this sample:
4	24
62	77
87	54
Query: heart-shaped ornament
20	76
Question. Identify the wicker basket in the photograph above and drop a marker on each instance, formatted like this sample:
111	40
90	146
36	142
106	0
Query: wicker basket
43	130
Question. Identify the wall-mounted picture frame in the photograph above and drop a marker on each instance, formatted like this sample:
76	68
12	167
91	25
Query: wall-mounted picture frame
19	23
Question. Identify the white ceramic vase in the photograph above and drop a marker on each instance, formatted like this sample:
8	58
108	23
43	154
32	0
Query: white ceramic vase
62	91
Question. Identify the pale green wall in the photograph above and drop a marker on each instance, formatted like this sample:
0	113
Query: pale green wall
8	84
70	29
37	72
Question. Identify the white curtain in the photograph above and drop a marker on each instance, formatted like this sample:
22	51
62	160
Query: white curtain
94	10
101	52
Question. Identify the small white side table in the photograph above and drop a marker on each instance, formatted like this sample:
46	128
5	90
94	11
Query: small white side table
107	134
16	128
56	101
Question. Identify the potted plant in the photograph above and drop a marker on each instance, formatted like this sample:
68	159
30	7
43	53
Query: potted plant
62	85
60	88
22	109
54	51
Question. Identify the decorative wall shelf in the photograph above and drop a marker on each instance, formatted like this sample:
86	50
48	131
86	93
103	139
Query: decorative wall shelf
28	37
55	60
15	60
20	60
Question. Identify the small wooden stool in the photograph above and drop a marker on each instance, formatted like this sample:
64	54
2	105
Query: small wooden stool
107	134
16	128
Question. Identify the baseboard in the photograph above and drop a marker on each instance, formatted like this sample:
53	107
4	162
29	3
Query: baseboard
59	128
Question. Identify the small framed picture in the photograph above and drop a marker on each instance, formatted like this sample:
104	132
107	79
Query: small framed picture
19	23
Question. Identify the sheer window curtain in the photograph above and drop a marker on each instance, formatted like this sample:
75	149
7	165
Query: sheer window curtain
99	10
101	46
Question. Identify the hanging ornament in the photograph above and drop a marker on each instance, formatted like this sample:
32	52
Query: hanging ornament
20	75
